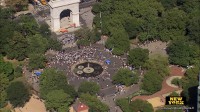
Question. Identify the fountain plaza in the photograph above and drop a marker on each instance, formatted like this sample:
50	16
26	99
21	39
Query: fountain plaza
89	64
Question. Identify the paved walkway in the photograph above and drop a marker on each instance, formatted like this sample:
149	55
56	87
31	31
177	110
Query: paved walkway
174	71
155	47
30	10
110	100
169	80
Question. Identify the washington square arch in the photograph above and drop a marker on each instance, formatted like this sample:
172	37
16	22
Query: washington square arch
61	8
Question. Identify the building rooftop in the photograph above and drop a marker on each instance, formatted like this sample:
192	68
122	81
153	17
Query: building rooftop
78	107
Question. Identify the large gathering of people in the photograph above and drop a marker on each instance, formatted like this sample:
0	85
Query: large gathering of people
66	59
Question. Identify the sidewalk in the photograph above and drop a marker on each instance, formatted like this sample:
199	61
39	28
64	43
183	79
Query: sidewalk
110	100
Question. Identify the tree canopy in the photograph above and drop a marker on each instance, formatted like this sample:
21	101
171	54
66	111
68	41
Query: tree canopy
22	36
137	57
89	87
58	100
95	104
150	83
35	42
148	19
18	5
118	41
87	36
52	79
155	68
17	94
135	106
36	61
159	65
190	84
6	69
6	76
125	77
183	53
17	47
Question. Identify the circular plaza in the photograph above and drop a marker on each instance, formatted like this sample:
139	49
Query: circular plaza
93	63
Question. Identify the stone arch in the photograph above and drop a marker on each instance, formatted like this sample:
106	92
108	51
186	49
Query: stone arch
65	13
65	18
57	8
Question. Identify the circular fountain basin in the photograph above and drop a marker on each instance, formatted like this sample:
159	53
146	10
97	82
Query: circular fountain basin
88	69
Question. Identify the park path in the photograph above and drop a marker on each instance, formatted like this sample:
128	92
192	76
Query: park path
166	88
110	100
30	9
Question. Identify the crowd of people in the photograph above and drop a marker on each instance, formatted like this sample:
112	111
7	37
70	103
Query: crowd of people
67	38
65	60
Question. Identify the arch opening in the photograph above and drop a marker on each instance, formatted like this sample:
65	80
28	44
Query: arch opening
65	18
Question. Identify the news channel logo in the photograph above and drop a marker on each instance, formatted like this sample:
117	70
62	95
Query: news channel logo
175	100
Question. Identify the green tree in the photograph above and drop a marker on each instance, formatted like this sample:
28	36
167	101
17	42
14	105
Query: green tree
135	106
27	25
17	4
6	69
190	84
17	94
52	79
37	44
124	104
176	82
94	104
150	83
140	105
87	36
193	27
58	100
83	42
18	72
4	82
44	30
125	77
54	44
119	41
6	13
89	87
169	4
183	53
3	96
7	27
36	61
189	5
132	27
138	56
17	47
96	8
159	65
158	68
141	17
174	23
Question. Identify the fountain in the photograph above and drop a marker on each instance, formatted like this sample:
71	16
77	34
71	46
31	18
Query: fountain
88	69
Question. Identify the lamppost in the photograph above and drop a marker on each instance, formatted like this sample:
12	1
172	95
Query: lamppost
100	22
